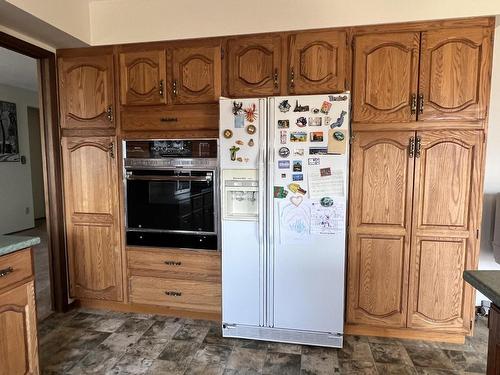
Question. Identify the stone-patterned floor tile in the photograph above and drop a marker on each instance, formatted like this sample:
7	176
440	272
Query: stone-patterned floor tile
246	359
280	347
189	332
356	349
209	369
251	344
214	336
96	362
231	371
433	358
88	340
281	363
131	365
390	353
83	321
395	369
433	371
108	324
161	367
63	360
467	361
212	354
148	347
138	326
179	351
164	329
119	342
320	363
349	367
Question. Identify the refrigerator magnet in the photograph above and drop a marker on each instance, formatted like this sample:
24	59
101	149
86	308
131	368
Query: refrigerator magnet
251	113
295	188
284	152
296	200
337	98
316	136
325	172
233	150
326	202
325	107
315	110
298	152
237	108
340	120
239	121
251	142
283	164
318	151
297	166
298	137
300	108
301	122
328	120
315	121
297	177
251	129
284	106
313	161
336	142
283	124
227	133
280	192
239	142
283	175
283	136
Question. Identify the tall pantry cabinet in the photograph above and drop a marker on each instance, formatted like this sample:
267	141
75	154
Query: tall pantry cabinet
419	114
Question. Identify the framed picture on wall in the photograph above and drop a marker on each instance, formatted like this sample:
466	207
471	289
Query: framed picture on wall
9	141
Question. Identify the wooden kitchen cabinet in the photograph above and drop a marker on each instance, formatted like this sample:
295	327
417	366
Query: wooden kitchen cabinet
385	77
254	66
445	228
317	62
380	224
92	217
143	76
196	75
455	68
86	92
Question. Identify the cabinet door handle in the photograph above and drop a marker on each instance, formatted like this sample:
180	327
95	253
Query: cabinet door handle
6	271
413	105
173	293
421	104
112	150
411	148
172	263
418	146
174	88
275	78
292	78
160	91
109	113
169	119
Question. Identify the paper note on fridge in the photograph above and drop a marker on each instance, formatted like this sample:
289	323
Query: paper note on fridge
294	221
336	141
328	220
324	184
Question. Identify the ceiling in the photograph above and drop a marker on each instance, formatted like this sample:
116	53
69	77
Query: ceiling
18	70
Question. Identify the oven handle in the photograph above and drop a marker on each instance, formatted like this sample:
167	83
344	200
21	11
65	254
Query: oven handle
169	178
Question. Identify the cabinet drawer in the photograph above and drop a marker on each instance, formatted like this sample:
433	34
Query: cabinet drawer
198	118
196	295
184	264
15	267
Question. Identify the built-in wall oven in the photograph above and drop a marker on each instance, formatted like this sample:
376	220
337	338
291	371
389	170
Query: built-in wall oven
171	193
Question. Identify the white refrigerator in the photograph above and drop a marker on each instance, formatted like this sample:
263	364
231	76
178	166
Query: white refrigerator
284	185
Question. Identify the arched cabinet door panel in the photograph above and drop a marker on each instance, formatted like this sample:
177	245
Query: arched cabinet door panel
254	66
92	217
445	227
385	77
455	68
86	92
379	234
196	75
143	77
317	62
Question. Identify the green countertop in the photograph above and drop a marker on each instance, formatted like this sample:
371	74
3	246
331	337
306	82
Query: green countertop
486	282
9	244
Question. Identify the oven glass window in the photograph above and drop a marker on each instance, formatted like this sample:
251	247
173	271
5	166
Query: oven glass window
171	200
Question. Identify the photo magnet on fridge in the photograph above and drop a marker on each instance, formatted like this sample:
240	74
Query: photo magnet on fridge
283	124
283	136
298	152
318	151
297	165
336	142
283	164
325	107
315	121
313	161
298	137
324	172
239	121
283	175
280	192
301	122
298	177
300	108
316	136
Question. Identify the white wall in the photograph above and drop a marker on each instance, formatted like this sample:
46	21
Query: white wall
15	178
492	175
126	21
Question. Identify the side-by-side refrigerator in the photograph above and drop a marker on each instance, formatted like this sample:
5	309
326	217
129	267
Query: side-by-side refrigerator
284	185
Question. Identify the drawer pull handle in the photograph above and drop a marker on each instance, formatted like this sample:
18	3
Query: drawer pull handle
6	271
172	263
168	119
173	293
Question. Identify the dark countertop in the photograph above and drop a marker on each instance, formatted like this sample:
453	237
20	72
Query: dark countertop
486	282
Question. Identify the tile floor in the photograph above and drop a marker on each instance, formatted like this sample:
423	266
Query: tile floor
100	342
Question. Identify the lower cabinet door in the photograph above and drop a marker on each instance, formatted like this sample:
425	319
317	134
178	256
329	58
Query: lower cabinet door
92	224
18	334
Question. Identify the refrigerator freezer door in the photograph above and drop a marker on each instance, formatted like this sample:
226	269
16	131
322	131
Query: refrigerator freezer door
306	275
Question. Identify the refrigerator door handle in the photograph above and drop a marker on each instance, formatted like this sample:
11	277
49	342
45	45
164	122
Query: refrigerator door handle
262	210
270	213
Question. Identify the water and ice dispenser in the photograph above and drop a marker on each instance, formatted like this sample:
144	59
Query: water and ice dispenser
240	194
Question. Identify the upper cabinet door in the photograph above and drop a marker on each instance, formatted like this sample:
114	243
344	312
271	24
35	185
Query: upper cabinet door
86	88
143	77
317	62
385	77
254	65
455	67
196	75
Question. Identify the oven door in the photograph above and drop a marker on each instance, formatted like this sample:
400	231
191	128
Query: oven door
175	201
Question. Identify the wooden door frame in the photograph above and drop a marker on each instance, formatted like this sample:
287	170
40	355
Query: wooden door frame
51	164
